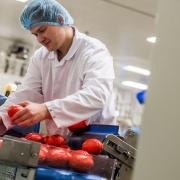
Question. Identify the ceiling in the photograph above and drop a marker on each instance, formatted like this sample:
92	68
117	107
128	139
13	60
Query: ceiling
123	25
147	7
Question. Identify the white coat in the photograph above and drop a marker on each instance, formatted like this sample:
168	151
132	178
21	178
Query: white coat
76	88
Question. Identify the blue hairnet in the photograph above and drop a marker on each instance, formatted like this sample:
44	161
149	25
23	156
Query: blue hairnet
44	12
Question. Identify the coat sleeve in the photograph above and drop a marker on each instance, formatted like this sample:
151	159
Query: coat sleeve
98	76
29	90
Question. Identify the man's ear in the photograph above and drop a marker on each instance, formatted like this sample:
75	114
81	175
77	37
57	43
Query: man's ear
61	20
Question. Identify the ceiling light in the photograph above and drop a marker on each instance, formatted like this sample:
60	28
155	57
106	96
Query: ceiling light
151	39
22	0
137	70
135	85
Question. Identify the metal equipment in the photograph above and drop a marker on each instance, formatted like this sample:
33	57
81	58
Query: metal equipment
18	159
124	150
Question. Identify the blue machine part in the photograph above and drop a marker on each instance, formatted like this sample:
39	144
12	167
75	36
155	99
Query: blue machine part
103	129
2	99
60	174
97	131
23	131
18	131
141	97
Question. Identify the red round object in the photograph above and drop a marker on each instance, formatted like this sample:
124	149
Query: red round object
58	157
55	140
81	126
81	152
93	146
12	110
81	162
65	147
34	137
43	153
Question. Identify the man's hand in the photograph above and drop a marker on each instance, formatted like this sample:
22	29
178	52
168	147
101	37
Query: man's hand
31	114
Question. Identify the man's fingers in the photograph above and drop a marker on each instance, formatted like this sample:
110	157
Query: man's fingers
24	103
22	118
19	114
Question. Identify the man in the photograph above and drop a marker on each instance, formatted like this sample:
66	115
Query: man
68	80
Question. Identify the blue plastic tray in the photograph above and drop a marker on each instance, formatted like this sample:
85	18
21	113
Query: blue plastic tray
60	174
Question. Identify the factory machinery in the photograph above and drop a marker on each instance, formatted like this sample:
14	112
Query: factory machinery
19	158
123	149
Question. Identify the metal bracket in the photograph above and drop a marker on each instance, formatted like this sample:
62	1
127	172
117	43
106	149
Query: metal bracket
18	152
120	150
8	172
125	153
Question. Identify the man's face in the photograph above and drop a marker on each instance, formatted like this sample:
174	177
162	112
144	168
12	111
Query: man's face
52	37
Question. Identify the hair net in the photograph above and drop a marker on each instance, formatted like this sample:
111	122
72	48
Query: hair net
44	12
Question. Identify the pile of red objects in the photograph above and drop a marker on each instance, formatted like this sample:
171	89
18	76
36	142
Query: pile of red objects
64	158
56	153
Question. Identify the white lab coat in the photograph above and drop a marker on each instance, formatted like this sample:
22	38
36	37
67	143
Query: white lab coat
76	88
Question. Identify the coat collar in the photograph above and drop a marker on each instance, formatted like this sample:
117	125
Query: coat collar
74	47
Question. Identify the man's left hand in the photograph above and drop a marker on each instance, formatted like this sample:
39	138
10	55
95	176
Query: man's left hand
31	114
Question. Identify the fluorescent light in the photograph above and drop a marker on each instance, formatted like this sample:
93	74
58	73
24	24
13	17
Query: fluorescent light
137	70
151	39
22	0
135	85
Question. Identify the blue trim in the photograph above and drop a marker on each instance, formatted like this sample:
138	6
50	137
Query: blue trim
23	131
97	131
2	99
47	173
103	129
141	97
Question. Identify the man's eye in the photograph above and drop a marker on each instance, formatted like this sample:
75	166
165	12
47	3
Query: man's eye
42	30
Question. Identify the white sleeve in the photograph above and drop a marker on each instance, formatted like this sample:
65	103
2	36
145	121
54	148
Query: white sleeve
29	90
97	85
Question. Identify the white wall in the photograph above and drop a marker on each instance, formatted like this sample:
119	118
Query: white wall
5	43
159	147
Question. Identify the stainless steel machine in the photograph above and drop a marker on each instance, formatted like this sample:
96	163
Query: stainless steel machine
124	150
18	159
